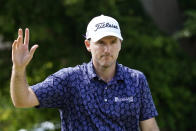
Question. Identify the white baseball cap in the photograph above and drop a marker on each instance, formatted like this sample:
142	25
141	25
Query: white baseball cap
102	26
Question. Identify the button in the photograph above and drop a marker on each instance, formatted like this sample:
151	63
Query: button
105	100
106	88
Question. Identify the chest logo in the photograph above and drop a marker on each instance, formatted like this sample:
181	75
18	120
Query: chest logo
123	99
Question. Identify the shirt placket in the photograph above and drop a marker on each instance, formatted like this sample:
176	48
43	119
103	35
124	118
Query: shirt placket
105	93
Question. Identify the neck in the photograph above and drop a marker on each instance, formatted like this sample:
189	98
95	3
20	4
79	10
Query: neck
105	73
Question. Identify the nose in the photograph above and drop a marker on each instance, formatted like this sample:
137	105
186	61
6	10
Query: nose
107	48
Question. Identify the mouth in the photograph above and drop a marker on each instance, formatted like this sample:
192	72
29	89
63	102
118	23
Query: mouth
107	57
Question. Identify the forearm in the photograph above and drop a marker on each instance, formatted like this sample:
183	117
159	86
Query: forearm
19	87
149	125
151	129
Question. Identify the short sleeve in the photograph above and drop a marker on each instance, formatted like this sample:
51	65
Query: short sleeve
52	91
148	109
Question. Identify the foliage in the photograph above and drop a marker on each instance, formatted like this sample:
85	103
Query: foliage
58	26
189	29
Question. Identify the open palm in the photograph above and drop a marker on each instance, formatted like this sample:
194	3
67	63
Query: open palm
21	55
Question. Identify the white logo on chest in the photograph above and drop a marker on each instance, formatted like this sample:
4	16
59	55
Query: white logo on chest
128	99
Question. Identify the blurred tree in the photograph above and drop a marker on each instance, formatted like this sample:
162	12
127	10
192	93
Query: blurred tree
165	13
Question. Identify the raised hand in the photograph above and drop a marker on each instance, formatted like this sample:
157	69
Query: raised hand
21	55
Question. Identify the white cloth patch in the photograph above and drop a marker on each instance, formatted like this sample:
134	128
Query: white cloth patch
129	99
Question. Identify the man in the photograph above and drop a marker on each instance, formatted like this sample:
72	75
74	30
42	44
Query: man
100	95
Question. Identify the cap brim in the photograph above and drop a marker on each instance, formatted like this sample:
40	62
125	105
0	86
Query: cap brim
100	36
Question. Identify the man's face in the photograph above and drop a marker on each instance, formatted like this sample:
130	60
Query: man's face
105	51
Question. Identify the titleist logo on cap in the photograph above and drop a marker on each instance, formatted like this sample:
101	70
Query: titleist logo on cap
104	25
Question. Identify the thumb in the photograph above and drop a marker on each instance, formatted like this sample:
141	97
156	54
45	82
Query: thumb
32	51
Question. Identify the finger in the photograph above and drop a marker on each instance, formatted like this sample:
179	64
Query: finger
19	40
32	51
20	33
14	49
26	39
14	46
17	43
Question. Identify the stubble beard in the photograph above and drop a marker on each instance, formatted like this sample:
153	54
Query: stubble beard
107	62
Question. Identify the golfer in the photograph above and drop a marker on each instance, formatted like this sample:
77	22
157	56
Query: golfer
101	95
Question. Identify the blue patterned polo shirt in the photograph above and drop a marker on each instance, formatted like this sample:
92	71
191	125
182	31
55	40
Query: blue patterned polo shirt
86	103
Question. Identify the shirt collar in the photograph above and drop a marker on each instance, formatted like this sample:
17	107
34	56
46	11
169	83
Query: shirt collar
92	74
91	70
119	72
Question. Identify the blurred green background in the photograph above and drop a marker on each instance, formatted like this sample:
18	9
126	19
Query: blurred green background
159	40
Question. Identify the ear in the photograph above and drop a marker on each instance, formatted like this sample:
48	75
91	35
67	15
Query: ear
87	44
120	44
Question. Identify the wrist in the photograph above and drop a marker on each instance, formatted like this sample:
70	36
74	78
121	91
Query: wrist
18	69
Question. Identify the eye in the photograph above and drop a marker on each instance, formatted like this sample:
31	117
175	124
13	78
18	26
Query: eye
113	41
100	42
